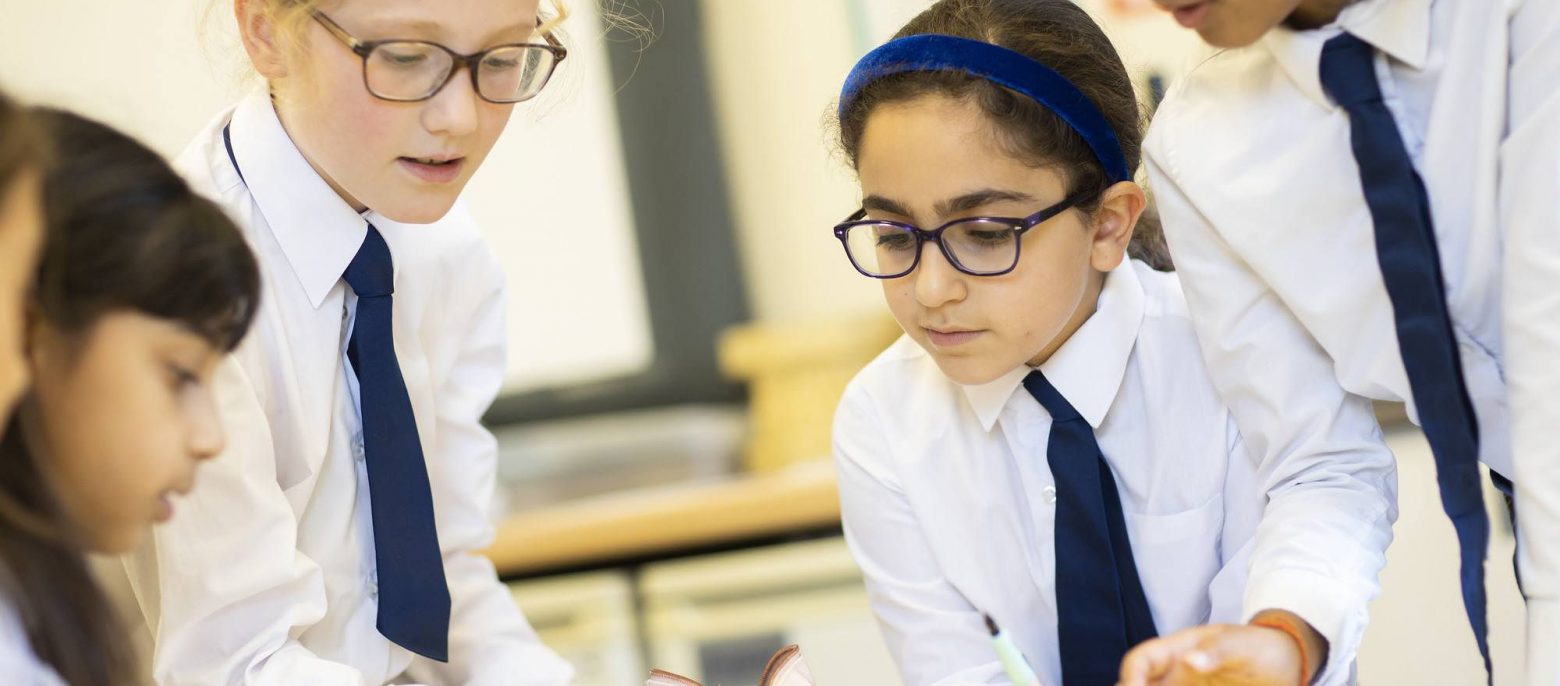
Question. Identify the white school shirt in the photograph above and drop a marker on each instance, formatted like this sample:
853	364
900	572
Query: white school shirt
266	575
949	504
1253	171
19	665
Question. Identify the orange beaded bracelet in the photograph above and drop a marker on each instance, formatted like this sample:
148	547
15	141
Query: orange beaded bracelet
1294	633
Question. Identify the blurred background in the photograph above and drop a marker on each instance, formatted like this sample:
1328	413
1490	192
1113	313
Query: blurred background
682	323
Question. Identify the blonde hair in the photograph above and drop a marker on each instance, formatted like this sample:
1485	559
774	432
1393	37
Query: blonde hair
292	17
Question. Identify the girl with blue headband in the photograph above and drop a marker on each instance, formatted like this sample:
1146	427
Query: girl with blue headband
1044	445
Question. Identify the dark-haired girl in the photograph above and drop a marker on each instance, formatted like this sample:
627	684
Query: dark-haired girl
1044	445
142	289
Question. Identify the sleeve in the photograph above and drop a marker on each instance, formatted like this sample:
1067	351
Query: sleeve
223	587
490	640
1529	212
1329	480
934	634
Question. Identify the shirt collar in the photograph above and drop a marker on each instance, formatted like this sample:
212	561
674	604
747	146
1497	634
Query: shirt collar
318	231
1400	28
1089	367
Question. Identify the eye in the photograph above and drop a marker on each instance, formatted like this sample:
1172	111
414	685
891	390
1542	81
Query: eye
894	239
403	56
501	63
181	378
993	236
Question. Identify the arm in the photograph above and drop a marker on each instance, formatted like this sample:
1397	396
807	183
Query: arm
1330	482
932	631
490	640
1529	207
223	586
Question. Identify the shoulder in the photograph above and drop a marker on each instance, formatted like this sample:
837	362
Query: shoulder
1167	352
204	161
901	382
1239	90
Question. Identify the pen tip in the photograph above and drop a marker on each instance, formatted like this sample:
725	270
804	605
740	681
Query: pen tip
991	624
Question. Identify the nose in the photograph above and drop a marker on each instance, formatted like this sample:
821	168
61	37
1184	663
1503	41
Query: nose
207	438
937	283
453	110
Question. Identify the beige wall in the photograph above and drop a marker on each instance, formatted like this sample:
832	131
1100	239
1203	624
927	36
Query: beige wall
776	68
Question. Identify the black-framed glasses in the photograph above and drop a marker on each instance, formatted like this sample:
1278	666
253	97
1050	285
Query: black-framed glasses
978	246
413	70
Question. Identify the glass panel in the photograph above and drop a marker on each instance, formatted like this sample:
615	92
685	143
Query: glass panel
983	246
408	70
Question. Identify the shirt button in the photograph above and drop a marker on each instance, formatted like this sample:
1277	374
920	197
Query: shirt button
357	447
373	586
1050	495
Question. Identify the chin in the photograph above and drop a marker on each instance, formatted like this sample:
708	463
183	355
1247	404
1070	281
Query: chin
969	371
1230	37
426	212
120	542
417	205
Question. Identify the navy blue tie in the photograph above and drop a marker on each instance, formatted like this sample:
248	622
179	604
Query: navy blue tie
1101	610
414	600
1411	268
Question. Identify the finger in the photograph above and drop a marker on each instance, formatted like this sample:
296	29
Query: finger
1152	660
1149	660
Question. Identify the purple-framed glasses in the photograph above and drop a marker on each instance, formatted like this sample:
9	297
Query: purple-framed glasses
978	246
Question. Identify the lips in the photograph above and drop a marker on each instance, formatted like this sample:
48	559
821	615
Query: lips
443	169
1192	16
950	337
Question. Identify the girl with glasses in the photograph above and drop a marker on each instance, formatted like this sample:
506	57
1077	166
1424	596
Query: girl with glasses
142	289
1045	446
334	542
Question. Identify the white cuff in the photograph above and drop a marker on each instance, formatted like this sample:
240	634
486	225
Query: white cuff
1334	612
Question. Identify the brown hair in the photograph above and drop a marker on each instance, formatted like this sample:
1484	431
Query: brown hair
124	233
1060	35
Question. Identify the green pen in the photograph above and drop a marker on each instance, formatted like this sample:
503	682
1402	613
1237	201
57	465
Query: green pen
1013	662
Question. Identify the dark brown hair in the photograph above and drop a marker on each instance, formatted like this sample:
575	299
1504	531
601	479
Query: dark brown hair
1060	35
124	233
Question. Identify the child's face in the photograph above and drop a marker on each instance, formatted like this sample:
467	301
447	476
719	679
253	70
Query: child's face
21	235
934	159
1232	23
122	415
368	149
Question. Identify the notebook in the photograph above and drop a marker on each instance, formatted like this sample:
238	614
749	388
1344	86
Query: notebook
786	668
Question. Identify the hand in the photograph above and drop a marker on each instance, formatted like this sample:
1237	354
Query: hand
1226	655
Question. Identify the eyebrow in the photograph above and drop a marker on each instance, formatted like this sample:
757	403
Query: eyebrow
961	204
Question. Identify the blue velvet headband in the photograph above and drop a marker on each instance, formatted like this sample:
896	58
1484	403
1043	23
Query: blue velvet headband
1003	67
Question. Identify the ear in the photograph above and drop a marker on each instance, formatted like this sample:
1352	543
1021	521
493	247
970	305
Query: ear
258	32
36	335
1114	221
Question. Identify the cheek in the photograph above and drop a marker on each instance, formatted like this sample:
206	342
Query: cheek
347	126
114	437
1042	296
900	296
